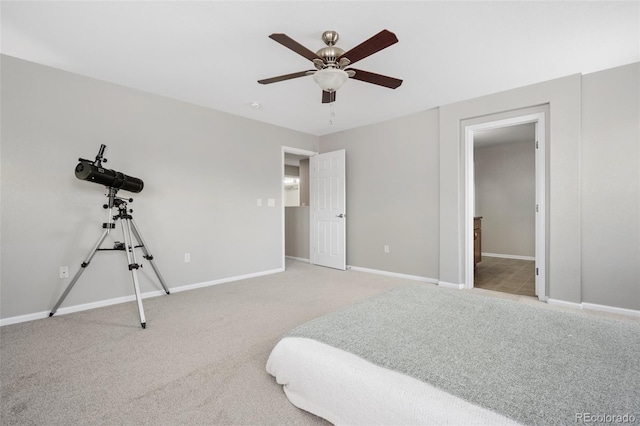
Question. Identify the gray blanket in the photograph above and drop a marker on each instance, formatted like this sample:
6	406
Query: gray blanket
533	365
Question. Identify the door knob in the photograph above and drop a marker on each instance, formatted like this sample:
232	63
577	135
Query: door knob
340	215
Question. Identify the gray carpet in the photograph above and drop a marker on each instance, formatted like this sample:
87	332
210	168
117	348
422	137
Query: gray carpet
532	365
201	360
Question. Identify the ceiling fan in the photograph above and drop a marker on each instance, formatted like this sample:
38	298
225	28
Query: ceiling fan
331	62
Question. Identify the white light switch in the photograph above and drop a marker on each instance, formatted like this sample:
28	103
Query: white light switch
259	202
271	202
64	272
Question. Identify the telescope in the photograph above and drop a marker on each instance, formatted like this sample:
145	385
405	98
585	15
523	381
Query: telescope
93	171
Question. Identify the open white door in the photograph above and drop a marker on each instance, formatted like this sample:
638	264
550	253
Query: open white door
328	211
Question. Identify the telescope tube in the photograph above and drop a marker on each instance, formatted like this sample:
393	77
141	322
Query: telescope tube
85	170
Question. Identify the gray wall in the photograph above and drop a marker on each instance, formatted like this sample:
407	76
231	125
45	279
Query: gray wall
405	186
610	187
505	195
563	217
291	170
304	182
297	232
392	194
203	171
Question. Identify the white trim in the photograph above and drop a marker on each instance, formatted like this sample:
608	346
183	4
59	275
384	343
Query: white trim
539	119
469	210
595	307
611	309
541	208
131	298
508	256
296	151
393	274
299	259
118	300
564	303
451	285
225	280
25	318
79	308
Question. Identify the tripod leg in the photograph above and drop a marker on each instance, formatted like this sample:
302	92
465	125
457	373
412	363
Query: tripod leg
133	266
77	276
147	255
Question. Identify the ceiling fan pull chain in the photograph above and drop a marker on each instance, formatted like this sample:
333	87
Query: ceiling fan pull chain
332	113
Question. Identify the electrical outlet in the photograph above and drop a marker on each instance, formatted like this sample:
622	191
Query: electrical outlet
386	248
271	202
64	272
187	257
259	202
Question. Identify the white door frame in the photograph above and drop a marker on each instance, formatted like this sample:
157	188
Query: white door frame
296	151
540	167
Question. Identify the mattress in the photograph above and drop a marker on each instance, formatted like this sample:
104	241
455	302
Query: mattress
348	390
419	354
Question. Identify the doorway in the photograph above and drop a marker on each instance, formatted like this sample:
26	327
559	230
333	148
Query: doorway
295	215
504	184
538	208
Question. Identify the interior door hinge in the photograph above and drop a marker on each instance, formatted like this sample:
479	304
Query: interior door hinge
537	271
537	208
536	144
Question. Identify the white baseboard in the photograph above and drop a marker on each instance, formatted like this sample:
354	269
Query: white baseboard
595	307
509	256
301	259
23	318
78	308
117	300
393	274
224	280
611	309
451	285
408	277
564	303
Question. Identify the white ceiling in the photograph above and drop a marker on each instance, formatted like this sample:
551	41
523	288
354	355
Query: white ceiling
211	53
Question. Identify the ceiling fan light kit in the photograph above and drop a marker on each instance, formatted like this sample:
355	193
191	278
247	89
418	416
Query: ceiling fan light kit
331	62
330	79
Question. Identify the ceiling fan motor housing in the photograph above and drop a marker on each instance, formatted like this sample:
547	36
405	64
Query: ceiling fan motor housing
330	54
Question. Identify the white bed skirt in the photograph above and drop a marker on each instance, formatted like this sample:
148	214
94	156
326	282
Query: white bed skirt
348	390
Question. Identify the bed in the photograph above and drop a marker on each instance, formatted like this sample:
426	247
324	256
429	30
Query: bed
419	354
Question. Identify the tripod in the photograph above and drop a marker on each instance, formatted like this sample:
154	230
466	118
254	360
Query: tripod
129	230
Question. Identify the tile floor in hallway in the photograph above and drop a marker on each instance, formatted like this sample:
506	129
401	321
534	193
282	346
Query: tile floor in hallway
507	275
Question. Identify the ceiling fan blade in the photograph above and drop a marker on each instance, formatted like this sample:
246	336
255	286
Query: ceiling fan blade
286	77
328	97
382	40
380	80
290	43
